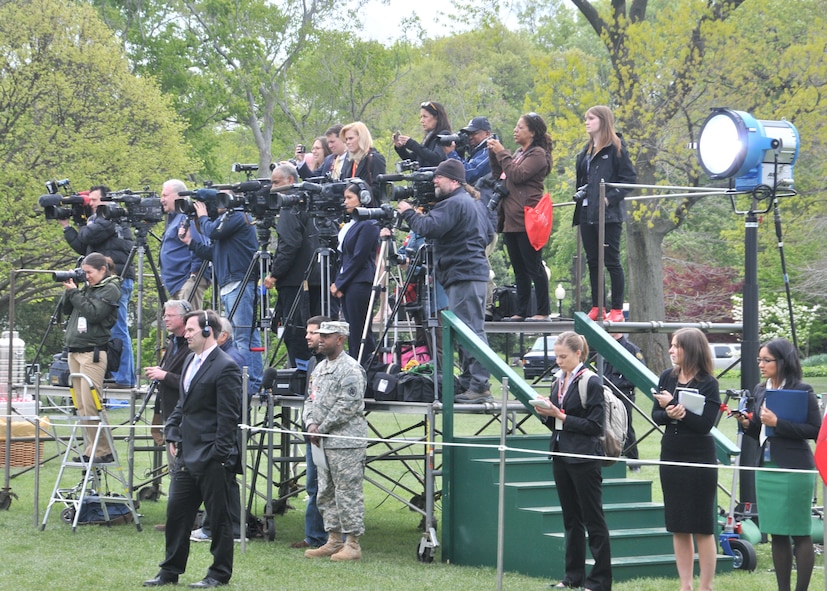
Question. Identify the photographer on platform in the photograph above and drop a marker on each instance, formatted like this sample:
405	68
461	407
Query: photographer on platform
234	244
476	162
113	239
179	264
297	243
460	231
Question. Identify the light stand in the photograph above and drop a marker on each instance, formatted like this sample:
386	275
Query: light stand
759	156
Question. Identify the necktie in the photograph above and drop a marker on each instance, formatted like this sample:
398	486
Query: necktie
196	363
337	166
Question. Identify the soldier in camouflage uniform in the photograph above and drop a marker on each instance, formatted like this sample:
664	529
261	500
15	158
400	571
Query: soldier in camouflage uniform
335	406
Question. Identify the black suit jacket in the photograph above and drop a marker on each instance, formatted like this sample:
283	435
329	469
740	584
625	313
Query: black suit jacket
369	167
205	421
789	446
580	432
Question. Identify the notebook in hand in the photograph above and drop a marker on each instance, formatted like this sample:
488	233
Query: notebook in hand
790	405
691	400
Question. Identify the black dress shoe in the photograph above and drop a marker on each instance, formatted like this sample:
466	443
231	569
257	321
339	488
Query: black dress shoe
207	583
161	580
80	459
105	459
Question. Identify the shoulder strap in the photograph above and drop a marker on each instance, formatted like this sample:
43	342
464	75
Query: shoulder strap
583	384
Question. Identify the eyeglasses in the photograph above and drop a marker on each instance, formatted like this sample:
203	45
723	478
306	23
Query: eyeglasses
765	360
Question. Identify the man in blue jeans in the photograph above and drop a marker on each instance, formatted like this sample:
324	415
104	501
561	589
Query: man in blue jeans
315	535
111	238
234	244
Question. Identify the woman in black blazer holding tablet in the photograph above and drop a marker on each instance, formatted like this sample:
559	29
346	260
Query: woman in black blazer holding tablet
689	493
785	499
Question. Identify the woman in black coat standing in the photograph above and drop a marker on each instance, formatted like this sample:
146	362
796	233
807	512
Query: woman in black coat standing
605	158
434	121
576	429
689	493
785	499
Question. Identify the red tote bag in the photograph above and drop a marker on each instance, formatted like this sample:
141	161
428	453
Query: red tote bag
538	221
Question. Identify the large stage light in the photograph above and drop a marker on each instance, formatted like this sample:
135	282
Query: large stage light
754	152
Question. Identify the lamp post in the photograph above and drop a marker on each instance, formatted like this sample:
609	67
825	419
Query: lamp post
560	294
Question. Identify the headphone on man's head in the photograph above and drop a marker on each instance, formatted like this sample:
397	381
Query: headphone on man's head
205	332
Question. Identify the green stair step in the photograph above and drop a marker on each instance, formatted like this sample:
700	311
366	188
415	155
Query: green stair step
633	542
544	492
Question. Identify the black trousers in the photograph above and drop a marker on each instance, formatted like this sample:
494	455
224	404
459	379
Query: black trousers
528	268
580	489
611	259
186	493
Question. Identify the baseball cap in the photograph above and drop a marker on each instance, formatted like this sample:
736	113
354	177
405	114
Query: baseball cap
477	124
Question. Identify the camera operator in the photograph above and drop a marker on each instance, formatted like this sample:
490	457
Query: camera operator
358	241
298	240
478	173
113	239
92	310
233	239
476	163
460	230
179	264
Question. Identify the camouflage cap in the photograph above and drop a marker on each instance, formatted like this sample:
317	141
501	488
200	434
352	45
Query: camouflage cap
332	327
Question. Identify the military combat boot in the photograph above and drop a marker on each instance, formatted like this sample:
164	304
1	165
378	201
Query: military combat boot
350	551
333	545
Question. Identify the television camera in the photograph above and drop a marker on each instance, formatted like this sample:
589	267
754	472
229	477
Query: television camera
138	208
54	203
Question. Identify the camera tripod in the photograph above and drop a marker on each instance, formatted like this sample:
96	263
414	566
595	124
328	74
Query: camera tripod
426	310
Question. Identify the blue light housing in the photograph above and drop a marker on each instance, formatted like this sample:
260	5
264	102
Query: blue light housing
736	144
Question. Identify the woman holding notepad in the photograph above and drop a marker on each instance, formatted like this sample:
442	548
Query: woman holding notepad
687	402
786	416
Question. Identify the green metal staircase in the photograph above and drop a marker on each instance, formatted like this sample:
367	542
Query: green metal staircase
533	539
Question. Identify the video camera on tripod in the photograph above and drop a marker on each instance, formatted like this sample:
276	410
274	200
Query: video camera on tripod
78	210
138	208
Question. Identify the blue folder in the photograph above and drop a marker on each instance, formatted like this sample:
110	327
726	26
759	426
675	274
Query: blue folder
790	405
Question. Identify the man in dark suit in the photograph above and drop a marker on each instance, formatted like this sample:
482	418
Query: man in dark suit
332	163
202	434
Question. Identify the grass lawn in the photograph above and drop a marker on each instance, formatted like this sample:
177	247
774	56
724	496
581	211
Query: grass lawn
120	557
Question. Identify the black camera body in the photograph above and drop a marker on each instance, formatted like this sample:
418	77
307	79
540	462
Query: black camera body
460	140
137	208
582	193
421	191
77	275
498	192
211	198
385	213
78	210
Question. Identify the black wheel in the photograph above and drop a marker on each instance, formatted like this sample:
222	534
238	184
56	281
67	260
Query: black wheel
744	553
68	515
5	501
425	554
149	493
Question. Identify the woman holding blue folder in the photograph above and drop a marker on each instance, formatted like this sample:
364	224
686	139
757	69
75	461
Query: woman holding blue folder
784	499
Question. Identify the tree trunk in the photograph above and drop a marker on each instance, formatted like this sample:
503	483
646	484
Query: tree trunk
644	245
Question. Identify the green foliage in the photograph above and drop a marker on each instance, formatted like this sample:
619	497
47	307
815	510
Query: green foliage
774	317
69	107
